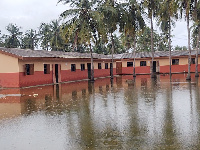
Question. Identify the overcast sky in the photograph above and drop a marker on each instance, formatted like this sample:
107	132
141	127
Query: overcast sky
31	13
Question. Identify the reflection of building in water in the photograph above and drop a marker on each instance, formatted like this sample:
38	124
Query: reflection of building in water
14	102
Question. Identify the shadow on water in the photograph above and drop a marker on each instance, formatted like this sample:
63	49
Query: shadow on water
122	113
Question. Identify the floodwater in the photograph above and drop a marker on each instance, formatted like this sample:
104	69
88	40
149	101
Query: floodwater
125	114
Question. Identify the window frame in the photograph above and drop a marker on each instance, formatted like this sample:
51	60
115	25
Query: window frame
175	61
129	64
29	69
46	68
106	65
82	67
99	66
192	60
143	63
73	67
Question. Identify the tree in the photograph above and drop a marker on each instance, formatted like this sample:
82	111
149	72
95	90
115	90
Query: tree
1	40
13	39
160	42
45	36
83	24
152	8
180	48
186	7
168	11
130	23
110	10
196	33
56	38
30	39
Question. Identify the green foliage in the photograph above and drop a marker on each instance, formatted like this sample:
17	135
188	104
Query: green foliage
144	41
13	39
102	48
180	48
30	40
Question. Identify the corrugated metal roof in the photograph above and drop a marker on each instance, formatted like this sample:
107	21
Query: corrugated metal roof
61	54
157	54
55	54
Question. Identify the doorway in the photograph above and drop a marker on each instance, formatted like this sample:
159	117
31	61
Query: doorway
89	70
56	73
119	67
154	66
111	66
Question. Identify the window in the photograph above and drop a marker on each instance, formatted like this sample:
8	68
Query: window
129	64
106	65
29	69
143	63
82	67
46	68
175	61
192	60
99	65
73	67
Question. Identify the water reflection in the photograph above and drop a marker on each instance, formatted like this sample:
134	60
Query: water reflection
123	113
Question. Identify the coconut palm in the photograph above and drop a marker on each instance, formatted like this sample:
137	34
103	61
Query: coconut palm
132	22
152	7
83	25
186	7
110	10
56	38
30	39
45	36
13	39
167	12
196	32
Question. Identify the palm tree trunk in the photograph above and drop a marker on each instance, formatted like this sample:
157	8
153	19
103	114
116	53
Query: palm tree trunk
197	53
152	50
134	74
111	71
170	62
92	65
189	56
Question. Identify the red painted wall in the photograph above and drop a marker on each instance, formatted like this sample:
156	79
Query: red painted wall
178	68
9	79
138	70
67	75
37	79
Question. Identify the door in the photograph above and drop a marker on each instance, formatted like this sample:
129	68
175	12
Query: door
119	67
154	66
89	70
111	66
56	73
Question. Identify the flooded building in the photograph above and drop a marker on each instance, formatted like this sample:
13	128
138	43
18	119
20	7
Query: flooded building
21	68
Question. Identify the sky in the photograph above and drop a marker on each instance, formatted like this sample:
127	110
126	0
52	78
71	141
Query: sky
29	14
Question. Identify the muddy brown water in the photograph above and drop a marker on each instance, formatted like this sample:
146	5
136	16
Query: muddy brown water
143	113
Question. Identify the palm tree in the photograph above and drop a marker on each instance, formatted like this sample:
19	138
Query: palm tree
83	25
13	39
56	39
30	39
152	7
45	36
196	18
186	6
168	11
110	10
132	22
